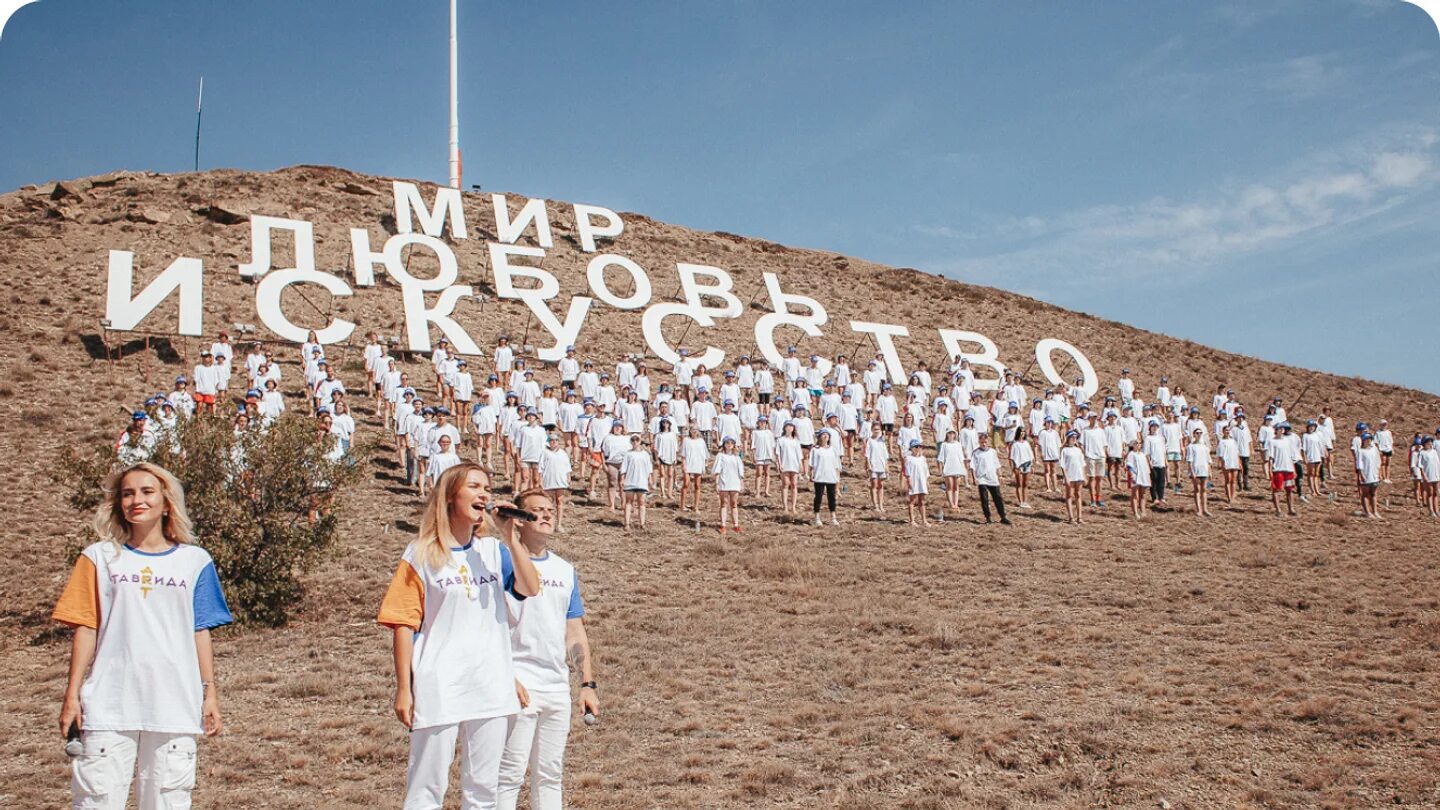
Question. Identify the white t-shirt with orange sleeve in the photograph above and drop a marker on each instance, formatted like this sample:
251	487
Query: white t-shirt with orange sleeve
461	666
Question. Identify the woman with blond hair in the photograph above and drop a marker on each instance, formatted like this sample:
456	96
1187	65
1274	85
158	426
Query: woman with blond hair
142	601
455	680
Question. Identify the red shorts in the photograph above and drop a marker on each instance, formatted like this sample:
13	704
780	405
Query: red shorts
204	399
1281	481
597	458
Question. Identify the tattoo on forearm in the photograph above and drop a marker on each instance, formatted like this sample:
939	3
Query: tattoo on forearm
577	656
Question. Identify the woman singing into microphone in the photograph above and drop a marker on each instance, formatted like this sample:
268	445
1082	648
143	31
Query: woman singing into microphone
454	677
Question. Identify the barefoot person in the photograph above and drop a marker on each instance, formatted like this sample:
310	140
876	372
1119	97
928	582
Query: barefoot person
1073	468
1137	470
1282	458
694	454
547	638
1197	457
917	483
1022	459
729	472
454	670
637	472
952	466
789	457
555	469
143	601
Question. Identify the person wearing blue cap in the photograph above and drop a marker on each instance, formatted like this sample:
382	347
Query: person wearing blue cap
1368	468
702	416
665	445
1137	475
631	413
1284	458
824	468
764	384
790	369
729	471
420	432
887	411
917	483
1073	466
694	455
462	391
1312	453
700	381
1427	464
985	462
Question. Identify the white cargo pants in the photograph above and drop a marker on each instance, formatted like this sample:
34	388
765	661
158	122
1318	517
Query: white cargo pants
433	749
100	777
537	740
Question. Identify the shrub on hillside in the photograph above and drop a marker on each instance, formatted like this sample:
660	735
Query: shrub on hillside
251	497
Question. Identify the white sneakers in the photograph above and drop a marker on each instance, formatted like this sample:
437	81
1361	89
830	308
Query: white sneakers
817	520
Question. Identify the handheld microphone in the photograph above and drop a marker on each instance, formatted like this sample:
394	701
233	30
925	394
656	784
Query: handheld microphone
512	512
73	746
590	719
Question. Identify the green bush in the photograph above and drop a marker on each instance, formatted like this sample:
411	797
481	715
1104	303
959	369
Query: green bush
250	498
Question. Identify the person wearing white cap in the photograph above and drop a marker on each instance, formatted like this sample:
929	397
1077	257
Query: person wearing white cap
917	483
1154	447
727	424
1073	467
684	373
1385	443
1137	470
1312	454
764	385
1229	452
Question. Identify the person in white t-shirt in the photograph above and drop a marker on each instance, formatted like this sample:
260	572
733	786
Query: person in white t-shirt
1428	465
825	474
1282	456
548	635
1022	460
1228	451
917	483
637	472
555	469
985	461
613	448
504	361
455	677
951	458
1072	466
789	459
142	602
729	472
877	465
694	455
1050	443
1137	470
1385	443
442	460
1368	466
1313	448
1197	456
665	444
762	450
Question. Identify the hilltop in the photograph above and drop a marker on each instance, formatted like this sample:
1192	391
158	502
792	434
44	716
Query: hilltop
1244	661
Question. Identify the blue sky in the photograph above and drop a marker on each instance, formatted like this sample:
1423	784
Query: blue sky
1262	176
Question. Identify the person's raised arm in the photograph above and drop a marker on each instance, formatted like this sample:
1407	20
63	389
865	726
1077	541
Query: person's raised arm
210	708
82	653
527	579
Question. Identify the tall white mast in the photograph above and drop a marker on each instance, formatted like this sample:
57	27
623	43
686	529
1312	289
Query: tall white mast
454	107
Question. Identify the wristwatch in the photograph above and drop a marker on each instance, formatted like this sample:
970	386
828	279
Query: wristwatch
587	685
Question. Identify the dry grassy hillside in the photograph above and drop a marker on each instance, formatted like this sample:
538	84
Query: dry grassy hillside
1243	661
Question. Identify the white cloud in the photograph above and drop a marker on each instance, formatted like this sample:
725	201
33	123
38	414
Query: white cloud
1160	235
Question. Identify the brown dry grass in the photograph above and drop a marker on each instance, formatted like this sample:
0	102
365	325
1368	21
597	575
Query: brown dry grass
1241	662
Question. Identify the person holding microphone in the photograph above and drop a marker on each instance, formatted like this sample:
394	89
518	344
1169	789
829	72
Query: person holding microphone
447	608
547	638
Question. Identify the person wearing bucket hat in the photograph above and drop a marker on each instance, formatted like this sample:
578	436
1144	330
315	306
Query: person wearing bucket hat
917	483
1072	466
1428	472
1368	468
504	358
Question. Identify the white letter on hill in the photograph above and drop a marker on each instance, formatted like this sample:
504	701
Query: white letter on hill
418	318
260	228
1042	356
588	230
884	334
532	212
448	205
267	304
185	274
989	355
595	275
781	302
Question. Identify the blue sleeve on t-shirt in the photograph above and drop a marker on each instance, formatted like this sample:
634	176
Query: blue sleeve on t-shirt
576	608
210	608
507	572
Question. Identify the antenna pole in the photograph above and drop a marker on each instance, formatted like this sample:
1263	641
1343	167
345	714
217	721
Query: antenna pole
199	105
454	106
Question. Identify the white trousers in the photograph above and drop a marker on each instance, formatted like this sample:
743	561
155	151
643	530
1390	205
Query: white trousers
433	749
537	740
100	777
